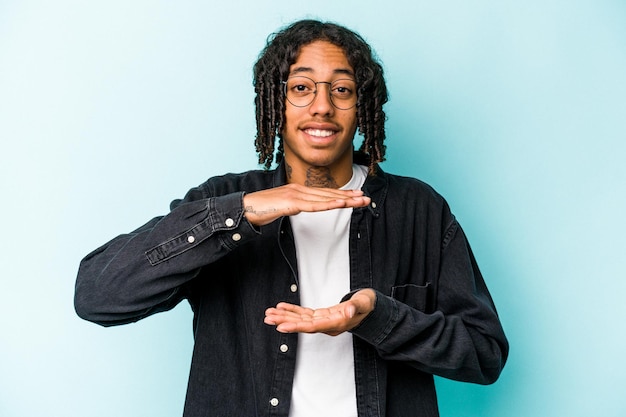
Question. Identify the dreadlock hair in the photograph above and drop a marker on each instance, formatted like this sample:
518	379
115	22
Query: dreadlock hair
272	68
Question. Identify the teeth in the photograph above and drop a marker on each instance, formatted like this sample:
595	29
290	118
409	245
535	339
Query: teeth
320	133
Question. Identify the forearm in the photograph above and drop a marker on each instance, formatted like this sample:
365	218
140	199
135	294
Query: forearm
144	272
456	335
471	349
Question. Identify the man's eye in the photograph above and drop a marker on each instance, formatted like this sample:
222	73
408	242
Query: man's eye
301	89
342	91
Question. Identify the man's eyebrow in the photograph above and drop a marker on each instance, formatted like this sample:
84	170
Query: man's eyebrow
342	71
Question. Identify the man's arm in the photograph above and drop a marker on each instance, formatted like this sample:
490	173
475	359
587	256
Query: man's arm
462	339
143	272
265	206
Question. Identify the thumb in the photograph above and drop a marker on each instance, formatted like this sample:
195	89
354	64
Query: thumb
350	310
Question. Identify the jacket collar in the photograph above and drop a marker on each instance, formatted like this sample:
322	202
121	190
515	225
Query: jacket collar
280	175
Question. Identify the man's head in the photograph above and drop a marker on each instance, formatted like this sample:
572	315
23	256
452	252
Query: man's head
273	69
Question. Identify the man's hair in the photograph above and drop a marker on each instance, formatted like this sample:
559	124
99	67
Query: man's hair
272	69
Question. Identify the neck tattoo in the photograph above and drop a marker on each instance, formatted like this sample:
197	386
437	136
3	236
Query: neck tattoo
320	177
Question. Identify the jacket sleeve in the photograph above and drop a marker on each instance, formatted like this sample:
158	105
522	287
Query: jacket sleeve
461	339
144	272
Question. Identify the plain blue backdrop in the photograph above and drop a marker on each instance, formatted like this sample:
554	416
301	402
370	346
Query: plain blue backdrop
515	111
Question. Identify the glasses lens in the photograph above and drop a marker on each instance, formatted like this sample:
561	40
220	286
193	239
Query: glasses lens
300	91
343	93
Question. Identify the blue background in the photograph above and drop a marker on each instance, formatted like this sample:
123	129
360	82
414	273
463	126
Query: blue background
515	111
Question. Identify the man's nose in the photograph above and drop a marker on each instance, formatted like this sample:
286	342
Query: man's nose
322	103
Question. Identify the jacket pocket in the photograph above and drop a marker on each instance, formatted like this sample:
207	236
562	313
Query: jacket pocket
415	296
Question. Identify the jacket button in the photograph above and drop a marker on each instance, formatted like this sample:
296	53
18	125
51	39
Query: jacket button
373	205
236	237
229	222
284	348
274	402
293	288
191	239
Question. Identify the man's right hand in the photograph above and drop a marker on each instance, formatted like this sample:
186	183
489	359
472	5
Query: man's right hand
263	207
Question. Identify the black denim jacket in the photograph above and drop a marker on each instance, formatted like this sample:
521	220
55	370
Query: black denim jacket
433	312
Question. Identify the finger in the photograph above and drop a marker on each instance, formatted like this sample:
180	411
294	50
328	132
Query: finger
294	308
330	196
305	327
288	312
350	310
313	206
277	316
364	301
310	203
280	319
329	192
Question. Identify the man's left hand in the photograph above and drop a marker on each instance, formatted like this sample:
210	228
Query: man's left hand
291	318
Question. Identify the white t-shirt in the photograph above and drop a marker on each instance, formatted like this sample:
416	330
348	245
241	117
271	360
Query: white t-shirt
324	383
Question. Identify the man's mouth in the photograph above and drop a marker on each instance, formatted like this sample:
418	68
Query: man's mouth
320	133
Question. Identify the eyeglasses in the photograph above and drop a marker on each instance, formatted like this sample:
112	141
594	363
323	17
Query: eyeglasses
300	91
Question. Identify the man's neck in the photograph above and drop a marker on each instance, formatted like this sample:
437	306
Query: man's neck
322	177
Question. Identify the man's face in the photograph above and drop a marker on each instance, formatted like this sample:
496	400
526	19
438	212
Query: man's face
320	135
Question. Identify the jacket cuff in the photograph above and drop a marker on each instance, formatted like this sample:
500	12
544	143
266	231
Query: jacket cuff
194	222
227	216
375	328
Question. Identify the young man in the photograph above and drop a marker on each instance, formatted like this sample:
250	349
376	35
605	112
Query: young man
364	280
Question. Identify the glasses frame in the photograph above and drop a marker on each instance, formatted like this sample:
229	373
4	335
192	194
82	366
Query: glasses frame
330	91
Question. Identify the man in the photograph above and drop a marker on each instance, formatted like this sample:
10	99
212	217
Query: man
364	280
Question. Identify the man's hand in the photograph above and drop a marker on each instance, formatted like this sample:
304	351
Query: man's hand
290	318
263	207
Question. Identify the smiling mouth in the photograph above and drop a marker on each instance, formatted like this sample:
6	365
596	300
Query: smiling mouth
319	133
